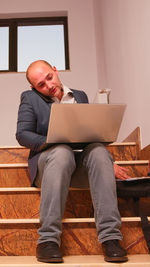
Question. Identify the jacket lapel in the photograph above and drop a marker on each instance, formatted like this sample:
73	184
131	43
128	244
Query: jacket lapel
77	96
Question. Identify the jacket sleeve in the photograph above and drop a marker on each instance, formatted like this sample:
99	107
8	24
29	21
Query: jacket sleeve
26	134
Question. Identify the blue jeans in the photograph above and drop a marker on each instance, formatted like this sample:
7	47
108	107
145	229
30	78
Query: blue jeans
58	168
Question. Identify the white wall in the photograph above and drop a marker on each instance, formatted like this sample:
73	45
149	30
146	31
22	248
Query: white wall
123	45
83	72
109	45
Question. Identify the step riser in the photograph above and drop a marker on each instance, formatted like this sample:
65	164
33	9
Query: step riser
135	170
14	155
78	239
118	152
128	152
79	205
20	177
14	177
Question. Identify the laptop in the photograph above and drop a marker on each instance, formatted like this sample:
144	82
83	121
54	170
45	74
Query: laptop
84	123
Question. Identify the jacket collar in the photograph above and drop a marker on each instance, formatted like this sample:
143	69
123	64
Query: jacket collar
44	97
49	100
77	96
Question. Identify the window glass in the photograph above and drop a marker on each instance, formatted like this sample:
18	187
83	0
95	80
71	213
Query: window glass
4	48
41	42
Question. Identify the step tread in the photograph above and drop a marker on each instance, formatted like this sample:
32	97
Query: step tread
13	165
19	189
131	162
74	261
123	144
33	189
20	165
67	220
115	143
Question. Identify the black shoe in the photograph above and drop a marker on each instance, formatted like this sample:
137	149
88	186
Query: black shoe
113	252
49	252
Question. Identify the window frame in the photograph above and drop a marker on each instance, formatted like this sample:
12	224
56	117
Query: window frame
30	21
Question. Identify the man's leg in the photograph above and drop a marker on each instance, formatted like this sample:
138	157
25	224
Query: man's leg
55	167
102	183
99	165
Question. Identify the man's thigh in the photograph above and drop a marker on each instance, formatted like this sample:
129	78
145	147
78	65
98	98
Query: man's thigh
57	156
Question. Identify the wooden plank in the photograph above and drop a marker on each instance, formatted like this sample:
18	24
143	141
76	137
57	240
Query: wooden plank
122	151
134	169
74	261
32	189
13	165
13	154
77	239
135	136
12	177
19	189
122	144
119	162
67	220
22	147
145	153
25	204
132	162
19	205
19	176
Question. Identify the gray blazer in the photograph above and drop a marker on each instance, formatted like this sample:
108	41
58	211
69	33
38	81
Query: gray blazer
32	125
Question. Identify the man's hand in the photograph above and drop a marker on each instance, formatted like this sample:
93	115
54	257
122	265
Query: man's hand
120	172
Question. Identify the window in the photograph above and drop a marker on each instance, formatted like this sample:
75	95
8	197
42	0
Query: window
4	37
29	39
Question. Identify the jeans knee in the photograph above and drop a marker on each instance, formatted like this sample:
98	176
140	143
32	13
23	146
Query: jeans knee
62	155
98	153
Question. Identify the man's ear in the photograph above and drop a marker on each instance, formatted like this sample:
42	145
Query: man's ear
54	68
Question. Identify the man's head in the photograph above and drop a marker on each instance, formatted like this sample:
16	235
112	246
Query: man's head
44	78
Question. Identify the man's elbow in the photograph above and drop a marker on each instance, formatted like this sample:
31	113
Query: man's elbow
19	139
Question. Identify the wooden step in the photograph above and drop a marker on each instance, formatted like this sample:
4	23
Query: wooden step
67	220
20	238
75	261
13	154
17	174
136	168
119	151
145	152
24	203
123	151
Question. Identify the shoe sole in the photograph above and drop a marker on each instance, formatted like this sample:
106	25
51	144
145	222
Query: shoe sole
116	259
52	260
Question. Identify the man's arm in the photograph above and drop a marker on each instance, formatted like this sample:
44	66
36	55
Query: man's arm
26	134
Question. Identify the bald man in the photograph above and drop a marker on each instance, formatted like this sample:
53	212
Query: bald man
52	168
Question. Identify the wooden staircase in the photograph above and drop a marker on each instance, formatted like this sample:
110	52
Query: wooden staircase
19	213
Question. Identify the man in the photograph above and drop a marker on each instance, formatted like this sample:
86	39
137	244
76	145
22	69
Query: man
52	168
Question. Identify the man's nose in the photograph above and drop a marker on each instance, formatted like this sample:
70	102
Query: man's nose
49	85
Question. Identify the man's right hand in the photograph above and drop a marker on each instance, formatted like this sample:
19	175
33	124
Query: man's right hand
121	172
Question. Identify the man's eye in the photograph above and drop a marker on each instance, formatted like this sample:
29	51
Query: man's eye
41	85
50	77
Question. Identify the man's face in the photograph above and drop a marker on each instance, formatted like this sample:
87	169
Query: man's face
45	80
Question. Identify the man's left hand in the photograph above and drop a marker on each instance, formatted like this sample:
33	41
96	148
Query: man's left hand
121	172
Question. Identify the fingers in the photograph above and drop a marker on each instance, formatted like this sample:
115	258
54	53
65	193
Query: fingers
121	172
